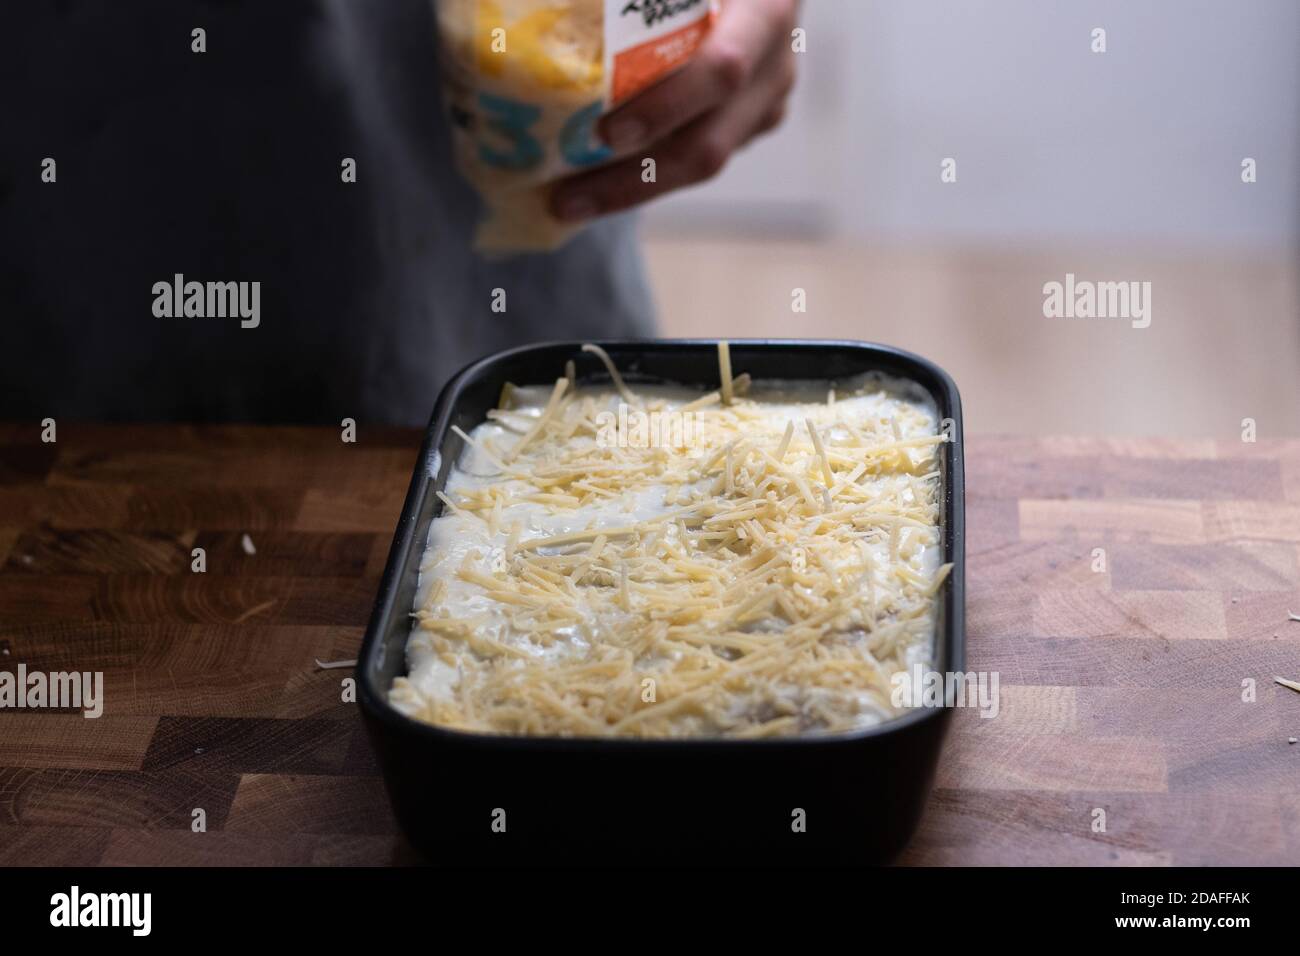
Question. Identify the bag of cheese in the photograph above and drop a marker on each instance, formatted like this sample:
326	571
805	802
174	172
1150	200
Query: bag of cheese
526	81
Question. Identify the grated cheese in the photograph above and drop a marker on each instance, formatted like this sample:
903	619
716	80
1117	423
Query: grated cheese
724	371
762	581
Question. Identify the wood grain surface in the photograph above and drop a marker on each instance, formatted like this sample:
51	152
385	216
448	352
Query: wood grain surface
1121	689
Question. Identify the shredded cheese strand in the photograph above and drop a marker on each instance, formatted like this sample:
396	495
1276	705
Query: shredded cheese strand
724	371
617	379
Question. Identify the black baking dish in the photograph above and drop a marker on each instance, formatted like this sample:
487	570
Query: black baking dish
618	800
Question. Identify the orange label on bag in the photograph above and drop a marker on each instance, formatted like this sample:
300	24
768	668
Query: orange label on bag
642	65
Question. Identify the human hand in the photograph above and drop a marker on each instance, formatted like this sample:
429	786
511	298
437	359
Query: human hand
732	90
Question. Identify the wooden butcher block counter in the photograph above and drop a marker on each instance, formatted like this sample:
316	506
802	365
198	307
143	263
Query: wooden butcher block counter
1122	735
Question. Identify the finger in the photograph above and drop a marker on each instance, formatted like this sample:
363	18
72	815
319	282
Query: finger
774	118
720	70
692	154
781	70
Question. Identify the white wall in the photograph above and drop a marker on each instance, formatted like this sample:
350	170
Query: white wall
1052	141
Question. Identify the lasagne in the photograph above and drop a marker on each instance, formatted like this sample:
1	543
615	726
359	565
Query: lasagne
760	560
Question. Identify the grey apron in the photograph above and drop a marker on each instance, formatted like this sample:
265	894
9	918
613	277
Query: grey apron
225	166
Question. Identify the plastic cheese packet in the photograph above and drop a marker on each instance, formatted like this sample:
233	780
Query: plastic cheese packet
525	82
